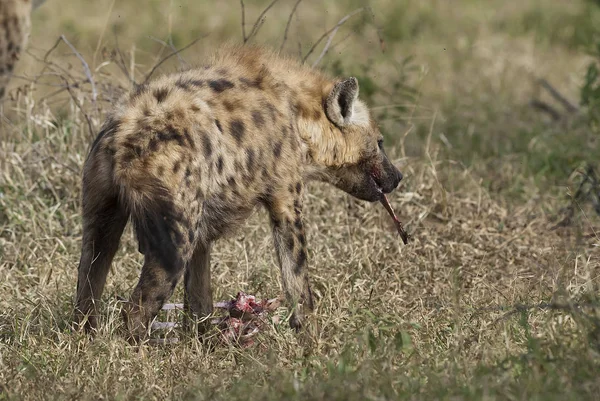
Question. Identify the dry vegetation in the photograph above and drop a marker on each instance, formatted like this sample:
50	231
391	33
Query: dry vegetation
487	302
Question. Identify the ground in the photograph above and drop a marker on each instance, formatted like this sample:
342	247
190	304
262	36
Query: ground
487	302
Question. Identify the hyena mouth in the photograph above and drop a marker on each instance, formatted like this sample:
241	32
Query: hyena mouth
386	204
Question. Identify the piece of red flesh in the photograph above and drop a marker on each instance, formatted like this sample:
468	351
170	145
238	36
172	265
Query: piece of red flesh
403	234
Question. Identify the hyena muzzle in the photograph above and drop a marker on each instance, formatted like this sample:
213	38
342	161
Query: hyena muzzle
188	158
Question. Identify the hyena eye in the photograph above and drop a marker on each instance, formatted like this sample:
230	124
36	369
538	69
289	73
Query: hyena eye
380	143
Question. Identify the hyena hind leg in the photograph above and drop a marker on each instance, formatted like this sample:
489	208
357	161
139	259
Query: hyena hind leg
163	231
104	220
198	291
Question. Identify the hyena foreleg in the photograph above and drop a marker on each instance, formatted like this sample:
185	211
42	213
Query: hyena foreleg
290	246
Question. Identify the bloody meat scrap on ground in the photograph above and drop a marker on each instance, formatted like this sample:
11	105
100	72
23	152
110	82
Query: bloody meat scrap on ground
245	317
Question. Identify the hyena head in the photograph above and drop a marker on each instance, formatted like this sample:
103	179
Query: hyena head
348	151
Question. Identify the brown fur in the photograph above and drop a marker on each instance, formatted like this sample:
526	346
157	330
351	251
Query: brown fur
192	154
15	24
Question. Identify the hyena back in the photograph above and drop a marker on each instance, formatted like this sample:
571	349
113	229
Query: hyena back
189	157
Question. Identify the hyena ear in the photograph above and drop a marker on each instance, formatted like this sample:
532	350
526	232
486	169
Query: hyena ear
339	105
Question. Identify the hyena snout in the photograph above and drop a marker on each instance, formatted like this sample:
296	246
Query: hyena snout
390	179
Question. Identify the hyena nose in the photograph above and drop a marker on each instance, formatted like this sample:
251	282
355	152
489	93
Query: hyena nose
399	177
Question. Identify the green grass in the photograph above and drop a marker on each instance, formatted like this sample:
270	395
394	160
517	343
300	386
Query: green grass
487	303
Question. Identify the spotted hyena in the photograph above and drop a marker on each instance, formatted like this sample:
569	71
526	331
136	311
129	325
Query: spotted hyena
189	156
15	24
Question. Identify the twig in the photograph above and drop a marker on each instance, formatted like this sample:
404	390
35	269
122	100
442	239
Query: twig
331	32
170	45
121	62
243	20
86	69
570	107
287	26
259	21
112	4
168	57
79	106
546	108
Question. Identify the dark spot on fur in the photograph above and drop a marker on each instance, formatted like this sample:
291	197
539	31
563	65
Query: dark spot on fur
253	83
258	119
189	139
194	108
218	124
207	145
220	85
161	171
220	164
231	181
153	145
250	160
298	223
188	172
298	187
317	114
229	106
291	243
277	149
271	109
161	94
191	236
237	129
171	134
176	167
199	194
291	188
301	261
189	84
302	239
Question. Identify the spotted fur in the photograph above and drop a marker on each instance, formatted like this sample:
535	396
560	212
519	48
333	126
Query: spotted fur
15	26
189	156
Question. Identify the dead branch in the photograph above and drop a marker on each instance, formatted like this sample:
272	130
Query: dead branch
331	33
69	88
287	26
86	68
570	107
243	20
545	108
170	45
121	61
258	23
168	57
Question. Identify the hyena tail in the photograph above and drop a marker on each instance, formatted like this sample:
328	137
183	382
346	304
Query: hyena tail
154	215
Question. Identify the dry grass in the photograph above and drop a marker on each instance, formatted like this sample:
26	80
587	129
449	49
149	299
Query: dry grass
486	303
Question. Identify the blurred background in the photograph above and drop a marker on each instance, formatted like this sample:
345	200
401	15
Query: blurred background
467	69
